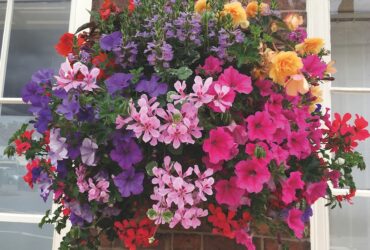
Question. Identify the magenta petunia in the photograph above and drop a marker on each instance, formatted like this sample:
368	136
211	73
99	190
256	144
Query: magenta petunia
236	81
314	191
227	192
251	175
211	67
313	65
220	145
290	186
294	221
260	126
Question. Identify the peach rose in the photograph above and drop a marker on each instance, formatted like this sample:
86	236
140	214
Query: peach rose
201	6
330	69
293	21
297	84
253	8
316	91
310	46
283	65
237	12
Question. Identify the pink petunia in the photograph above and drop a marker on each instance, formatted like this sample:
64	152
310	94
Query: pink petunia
314	191
290	186
220	145
260	126
223	97
314	66
236	81
251	175
227	192
243	238
299	144
211	67
294	221
265	87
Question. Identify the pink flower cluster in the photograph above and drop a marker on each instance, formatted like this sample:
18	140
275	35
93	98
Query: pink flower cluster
171	126
97	188
181	192
75	76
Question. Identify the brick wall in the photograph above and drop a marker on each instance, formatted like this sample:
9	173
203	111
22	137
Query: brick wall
203	239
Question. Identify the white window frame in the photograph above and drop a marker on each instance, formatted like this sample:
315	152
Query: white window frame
78	16
319	25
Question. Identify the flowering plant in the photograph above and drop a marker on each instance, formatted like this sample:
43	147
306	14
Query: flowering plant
181	113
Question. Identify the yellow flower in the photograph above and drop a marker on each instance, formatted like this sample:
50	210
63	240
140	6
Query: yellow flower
310	46
201	6
316	91
330	69
274	27
293	21
283	65
253	8
237	12
296	84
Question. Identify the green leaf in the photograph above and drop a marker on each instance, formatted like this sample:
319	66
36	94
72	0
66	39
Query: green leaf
149	167
151	213
182	73
167	216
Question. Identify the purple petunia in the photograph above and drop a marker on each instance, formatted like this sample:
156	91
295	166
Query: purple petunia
44	183
88	150
129	182
58	146
43	76
152	87
111	41
118	81
80	213
126	154
69	108
44	118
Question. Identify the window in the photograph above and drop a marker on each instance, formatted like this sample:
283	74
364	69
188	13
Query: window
28	31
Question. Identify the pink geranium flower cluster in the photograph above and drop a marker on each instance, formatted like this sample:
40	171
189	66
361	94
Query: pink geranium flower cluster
171	126
181	192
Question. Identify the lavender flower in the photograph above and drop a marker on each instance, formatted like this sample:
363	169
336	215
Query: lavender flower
58	146
118	81
129	183
43	120
88	150
152	87
69	108
298	35
80	213
111	41
126	154
159	55
45	183
127	56
43	76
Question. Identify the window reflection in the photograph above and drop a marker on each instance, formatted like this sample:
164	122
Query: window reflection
36	27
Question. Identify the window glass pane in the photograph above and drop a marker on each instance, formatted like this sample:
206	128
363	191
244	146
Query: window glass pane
350	226
15	195
356	103
2	19
350	39
21	236
36	28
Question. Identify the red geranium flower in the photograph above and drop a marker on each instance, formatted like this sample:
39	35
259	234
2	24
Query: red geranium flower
107	8
65	44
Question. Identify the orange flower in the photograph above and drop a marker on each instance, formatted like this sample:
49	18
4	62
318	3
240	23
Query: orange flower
316	91
253	8
310	46
237	13
293	21
283	65
297	84
330	69
201	6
